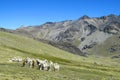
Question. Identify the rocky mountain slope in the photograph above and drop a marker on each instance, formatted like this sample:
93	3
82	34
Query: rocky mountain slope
84	33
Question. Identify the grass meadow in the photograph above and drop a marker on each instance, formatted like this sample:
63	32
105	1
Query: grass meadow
72	67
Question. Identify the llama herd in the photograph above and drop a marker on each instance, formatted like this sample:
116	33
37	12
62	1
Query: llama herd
41	64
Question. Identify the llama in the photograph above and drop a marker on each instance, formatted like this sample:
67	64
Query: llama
56	66
29	61
15	59
46	66
43	64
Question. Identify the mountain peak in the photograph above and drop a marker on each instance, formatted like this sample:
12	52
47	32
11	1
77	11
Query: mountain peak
85	17
111	15
22	26
49	22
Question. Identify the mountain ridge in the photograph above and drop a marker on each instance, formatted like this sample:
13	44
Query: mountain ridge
84	33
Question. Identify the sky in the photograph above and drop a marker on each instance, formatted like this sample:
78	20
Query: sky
14	13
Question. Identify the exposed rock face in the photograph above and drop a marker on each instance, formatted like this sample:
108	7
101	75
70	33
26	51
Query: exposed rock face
97	38
84	32
112	28
117	56
115	48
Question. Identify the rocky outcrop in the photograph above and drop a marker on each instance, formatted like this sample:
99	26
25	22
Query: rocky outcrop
115	48
117	56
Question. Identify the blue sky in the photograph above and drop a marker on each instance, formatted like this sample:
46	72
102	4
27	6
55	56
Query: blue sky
14	13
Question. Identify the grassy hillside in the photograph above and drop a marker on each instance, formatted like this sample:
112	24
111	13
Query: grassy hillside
72	67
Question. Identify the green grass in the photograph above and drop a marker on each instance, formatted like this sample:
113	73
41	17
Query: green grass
72	67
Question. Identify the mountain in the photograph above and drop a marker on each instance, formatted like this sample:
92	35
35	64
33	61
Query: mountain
85	33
